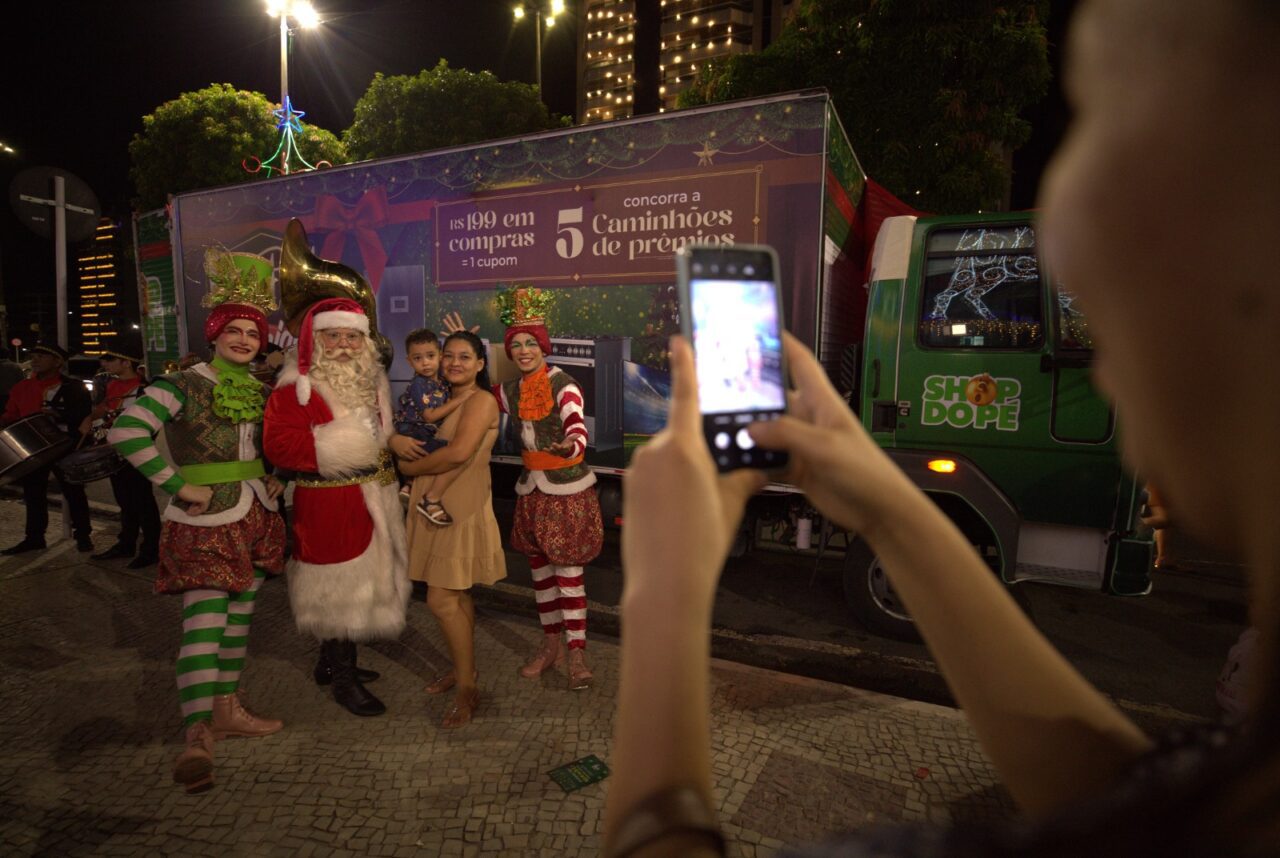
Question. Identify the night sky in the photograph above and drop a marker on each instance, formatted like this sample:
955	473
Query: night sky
78	77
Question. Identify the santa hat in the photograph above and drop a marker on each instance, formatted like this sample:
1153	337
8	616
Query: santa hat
224	314
323	315
536	328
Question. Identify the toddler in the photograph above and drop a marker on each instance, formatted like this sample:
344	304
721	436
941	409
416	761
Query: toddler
422	407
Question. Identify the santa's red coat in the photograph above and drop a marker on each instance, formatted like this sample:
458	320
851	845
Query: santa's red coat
330	525
348	574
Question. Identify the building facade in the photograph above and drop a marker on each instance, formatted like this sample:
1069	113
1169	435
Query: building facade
104	308
693	32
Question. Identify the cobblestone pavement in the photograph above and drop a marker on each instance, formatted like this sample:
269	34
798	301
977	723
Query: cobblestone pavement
89	730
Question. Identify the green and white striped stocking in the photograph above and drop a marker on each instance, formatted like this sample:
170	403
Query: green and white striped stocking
215	628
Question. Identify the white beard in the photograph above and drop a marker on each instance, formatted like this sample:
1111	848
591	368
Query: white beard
353	383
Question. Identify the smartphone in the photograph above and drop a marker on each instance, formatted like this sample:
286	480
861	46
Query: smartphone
731	310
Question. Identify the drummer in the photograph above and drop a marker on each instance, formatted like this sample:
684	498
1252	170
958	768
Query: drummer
122	361
66	401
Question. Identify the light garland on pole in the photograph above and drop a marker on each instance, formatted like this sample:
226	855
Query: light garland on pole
287	117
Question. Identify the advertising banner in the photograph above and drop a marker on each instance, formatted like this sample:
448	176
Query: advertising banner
593	213
156	294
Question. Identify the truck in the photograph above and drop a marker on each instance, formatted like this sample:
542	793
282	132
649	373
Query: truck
952	342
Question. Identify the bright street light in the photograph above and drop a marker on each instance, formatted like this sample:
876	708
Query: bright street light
552	8
305	16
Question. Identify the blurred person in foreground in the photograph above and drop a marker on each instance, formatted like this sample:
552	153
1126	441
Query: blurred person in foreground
1171	157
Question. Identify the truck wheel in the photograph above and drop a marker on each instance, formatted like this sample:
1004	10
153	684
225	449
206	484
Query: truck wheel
872	598
874	602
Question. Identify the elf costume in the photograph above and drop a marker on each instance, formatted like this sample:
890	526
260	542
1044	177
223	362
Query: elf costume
211	414
557	517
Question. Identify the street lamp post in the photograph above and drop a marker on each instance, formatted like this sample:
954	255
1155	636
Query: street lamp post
306	16
539	9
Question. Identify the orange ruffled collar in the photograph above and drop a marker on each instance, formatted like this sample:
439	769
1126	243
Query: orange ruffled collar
536	400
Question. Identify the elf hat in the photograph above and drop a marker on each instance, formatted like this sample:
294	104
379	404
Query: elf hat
524	311
239	288
537	329
224	314
323	315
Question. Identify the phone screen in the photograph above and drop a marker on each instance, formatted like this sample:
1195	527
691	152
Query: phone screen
734	320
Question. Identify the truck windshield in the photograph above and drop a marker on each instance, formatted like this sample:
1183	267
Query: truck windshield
982	289
1073	325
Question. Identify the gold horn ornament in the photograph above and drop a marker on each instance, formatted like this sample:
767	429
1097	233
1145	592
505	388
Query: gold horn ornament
306	278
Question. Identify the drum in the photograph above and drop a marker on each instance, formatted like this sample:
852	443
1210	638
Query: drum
30	444
89	464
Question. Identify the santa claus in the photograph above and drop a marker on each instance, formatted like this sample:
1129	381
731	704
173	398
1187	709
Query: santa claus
329	420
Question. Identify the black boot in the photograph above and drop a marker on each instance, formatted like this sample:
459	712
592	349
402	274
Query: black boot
347	690
324	670
120	549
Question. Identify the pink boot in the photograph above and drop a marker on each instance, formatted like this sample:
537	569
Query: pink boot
547	657
579	673
194	766
230	718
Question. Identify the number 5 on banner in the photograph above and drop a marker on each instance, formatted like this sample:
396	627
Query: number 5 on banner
570	247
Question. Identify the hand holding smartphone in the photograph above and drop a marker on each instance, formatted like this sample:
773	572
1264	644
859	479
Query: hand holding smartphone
731	311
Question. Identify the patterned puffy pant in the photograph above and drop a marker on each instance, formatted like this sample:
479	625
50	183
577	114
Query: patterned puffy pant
559	534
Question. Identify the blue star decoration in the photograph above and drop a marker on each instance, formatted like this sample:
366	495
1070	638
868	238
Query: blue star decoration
288	117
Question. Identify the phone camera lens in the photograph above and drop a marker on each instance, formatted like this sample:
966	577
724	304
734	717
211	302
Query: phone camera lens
732	269
748	270
715	269
697	268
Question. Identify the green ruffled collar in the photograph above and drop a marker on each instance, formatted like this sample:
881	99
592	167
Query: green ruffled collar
238	395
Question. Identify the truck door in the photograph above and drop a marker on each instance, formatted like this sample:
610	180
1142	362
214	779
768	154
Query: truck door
1078	415
984	378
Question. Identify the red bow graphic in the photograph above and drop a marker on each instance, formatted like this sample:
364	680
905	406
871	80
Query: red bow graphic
361	222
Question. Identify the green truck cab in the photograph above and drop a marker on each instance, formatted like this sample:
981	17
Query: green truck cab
974	375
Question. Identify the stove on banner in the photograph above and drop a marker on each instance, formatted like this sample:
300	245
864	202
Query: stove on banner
596	365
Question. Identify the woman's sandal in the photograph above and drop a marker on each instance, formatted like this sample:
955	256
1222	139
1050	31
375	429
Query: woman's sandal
444	682
435	512
461	711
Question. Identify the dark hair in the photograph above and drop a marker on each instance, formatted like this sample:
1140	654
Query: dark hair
420	336
477	346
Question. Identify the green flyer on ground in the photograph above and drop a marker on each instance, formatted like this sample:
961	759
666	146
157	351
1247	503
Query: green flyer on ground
584	772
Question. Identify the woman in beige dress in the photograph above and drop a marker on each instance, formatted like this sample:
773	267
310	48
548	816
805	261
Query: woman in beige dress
469	551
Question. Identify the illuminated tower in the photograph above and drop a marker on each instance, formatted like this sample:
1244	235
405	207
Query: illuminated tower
101	311
693	32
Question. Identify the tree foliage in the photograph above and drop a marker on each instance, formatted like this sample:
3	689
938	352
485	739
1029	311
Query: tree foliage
930	91
442	107
200	139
